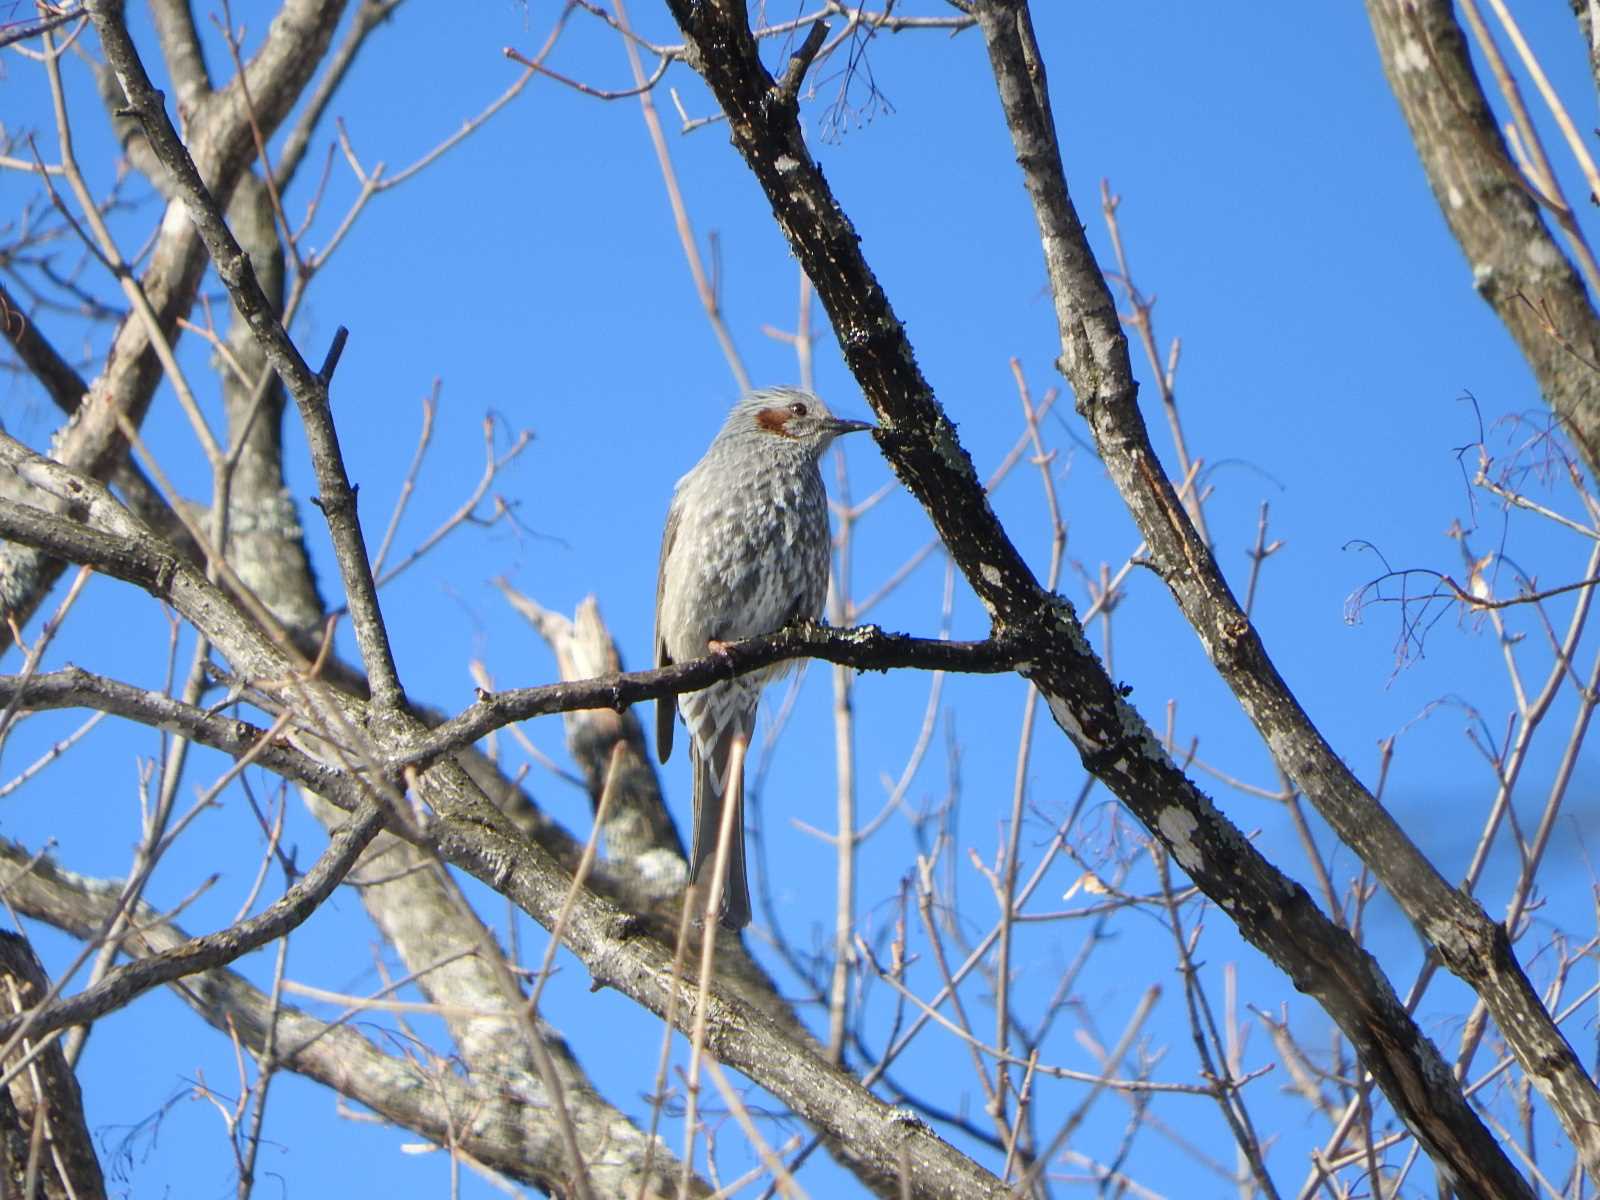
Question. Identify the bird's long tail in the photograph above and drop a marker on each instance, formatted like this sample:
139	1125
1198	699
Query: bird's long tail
713	788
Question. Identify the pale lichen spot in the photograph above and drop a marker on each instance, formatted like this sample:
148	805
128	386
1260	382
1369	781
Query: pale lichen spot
1411	56
1177	826
990	573
787	163
1482	273
1454	196
1062	617
950	453
1543	254
1069	724
1138	729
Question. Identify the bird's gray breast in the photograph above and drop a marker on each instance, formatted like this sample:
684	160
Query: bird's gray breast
751	553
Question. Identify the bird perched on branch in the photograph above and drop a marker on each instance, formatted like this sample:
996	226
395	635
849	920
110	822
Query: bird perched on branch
745	552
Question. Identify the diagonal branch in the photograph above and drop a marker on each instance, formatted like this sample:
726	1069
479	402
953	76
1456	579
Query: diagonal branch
1517	266
1116	744
1095	361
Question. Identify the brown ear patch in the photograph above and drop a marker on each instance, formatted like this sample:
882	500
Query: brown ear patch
774	420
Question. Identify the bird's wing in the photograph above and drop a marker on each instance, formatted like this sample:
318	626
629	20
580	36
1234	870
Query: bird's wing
666	707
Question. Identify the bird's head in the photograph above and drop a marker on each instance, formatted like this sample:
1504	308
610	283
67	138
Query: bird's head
791	417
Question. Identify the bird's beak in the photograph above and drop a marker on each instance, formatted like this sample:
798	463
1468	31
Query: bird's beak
838	425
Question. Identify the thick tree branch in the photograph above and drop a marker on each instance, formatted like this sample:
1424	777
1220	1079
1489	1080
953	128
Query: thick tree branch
1518	267
50	1128
1095	361
1116	744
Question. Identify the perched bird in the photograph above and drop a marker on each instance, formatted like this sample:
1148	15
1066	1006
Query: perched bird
745	552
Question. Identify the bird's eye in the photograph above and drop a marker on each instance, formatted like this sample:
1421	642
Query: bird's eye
798	409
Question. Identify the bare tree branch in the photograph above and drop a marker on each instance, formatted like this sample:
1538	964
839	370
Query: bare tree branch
1114	741
434	1099
213	949
1095	360
60	1161
221	139
1517	266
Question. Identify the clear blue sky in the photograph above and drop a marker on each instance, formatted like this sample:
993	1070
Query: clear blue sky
1271	200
